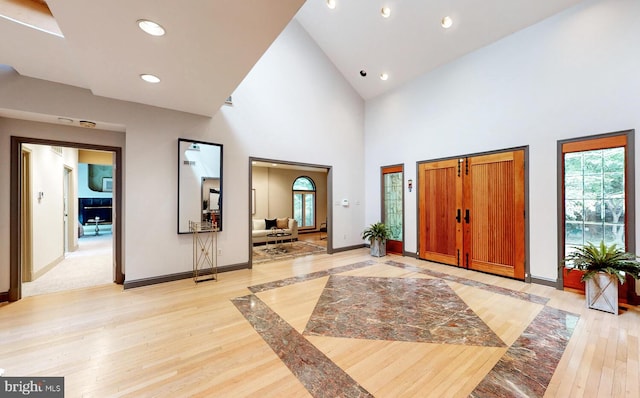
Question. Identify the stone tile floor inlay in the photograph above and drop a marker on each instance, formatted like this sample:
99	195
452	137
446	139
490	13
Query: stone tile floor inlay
307	277
527	367
321	377
400	309
419	310
451	278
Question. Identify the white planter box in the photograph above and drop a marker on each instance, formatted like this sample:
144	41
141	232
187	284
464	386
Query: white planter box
602	293
378	248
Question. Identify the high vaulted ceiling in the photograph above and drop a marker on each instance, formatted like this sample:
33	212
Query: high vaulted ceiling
411	41
210	46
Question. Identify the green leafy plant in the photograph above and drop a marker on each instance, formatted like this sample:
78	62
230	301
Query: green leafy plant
608	259
377	231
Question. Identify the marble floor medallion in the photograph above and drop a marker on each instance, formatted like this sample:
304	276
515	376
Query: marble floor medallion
419	311
400	309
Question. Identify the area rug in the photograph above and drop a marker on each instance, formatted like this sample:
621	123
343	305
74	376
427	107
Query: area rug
281	251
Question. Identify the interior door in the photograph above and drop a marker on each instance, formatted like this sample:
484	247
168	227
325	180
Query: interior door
494	228
440	187
26	217
65	210
393	206
471	212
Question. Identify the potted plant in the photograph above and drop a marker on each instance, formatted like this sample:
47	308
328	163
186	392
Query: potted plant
604	266
377	235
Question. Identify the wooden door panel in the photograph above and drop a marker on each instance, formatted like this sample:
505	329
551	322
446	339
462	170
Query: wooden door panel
440	199
494	195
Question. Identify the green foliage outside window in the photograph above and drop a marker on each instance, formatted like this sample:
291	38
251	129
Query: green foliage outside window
594	197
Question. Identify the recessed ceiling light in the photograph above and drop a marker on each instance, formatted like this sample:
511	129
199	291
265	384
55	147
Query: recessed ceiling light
331	4
384	76
150	78
151	27
274	164
65	120
446	22
385	12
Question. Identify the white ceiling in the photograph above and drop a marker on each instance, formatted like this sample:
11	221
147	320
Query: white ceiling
210	46
412	41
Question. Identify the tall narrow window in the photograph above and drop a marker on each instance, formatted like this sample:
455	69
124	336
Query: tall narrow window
304	202
393	206
596	197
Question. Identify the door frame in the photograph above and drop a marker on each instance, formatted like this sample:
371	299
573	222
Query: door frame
525	148
301	166
15	228
26	215
68	208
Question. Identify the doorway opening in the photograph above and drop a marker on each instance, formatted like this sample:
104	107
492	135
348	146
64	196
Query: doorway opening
288	192
63	242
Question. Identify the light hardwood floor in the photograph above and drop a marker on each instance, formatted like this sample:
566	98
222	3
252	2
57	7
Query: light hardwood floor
182	339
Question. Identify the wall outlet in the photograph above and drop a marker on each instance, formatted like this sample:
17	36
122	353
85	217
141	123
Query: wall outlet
219	252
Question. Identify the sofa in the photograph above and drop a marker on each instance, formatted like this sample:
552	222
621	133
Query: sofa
90	208
261	229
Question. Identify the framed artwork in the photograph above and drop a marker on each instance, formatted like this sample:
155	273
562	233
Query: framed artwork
107	184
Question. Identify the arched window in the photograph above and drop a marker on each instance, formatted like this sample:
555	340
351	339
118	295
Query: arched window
304	202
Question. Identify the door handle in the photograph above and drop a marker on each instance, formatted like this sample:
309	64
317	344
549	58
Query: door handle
458	218
466	216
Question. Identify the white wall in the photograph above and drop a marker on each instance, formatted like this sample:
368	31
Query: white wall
293	106
572	75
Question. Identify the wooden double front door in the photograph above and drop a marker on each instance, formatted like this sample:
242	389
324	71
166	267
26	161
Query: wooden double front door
472	212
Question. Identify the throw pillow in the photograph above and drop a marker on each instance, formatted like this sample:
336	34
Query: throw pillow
270	223
282	223
259	225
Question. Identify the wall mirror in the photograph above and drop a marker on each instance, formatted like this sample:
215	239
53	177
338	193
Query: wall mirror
199	183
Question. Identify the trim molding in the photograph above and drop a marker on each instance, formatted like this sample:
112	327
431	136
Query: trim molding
544	281
346	249
4	296
46	268
409	254
179	276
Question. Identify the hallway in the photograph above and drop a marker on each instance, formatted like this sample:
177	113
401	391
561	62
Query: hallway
90	265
